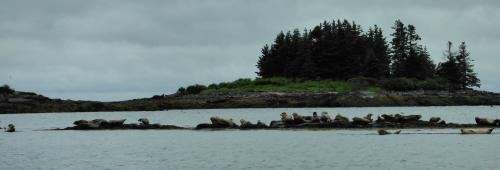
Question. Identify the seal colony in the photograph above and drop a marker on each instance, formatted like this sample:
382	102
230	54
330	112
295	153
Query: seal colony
101	124
297	121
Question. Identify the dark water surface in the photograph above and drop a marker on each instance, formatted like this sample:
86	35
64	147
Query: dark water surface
33	148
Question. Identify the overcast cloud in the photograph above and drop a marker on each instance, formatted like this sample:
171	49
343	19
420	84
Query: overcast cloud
117	49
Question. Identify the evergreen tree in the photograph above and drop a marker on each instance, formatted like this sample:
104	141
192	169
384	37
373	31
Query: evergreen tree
409	58
399	49
340	50
264	63
295	58
377	61
468	78
449	69
308	67
278	56
419	65
458	69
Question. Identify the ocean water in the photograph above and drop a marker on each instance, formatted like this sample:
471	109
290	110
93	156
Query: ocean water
33	147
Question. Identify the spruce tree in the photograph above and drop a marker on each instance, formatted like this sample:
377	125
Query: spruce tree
308	69
295	59
449	69
409	59
264	63
377	61
399	49
468	78
278	53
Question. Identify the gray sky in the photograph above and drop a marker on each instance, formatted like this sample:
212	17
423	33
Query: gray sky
115	50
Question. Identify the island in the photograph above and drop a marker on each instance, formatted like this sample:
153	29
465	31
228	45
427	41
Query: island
334	64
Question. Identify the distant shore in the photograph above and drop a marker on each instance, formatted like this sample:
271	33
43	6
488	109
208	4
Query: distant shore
27	102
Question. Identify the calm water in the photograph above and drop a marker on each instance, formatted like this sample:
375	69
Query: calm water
33	148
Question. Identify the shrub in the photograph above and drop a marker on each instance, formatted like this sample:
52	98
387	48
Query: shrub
195	89
213	86
433	84
279	81
158	96
399	84
374	89
5	89
181	91
362	82
241	82
340	86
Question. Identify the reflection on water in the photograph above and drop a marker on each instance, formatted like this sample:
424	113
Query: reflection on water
249	149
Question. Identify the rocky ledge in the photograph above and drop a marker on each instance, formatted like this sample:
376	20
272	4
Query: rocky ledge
296	121
25	102
101	124
325	121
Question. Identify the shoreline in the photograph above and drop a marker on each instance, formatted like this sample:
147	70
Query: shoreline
26	102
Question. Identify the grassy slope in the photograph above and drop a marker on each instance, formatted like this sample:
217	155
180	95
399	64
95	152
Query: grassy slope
278	84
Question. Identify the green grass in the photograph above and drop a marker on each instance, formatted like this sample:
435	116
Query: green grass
280	84
374	89
277	84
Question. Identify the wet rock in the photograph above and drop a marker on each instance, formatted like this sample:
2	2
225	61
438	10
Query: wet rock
277	124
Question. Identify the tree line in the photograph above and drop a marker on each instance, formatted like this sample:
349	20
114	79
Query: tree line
340	50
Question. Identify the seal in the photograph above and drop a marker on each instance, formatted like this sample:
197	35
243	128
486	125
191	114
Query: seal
339	119
285	117
486	121
315	118
476	131
144	121
223	123
385	132
244	122
297	118
325	117
10	128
